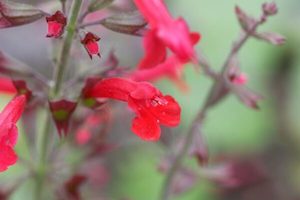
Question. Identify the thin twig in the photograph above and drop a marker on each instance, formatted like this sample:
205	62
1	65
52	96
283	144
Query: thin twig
198	121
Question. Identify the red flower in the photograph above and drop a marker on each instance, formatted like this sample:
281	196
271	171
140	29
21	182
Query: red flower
7	86
90	44
9	132
150	105
166	32
61	113
172	68
56	24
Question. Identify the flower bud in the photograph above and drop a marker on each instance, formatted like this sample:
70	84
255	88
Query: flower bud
269	8
56	24
90	44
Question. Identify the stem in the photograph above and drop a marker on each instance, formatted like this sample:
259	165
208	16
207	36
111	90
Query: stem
195	127
41	171
197	123
41	168
63	6
64	55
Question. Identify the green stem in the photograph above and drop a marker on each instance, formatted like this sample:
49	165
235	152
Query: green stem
41	171
65	52
41	168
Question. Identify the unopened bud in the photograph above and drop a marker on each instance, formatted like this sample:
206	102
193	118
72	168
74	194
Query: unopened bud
269	8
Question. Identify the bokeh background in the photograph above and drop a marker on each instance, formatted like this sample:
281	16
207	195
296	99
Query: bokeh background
270	135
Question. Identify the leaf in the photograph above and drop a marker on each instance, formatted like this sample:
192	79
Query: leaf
128	23
16	14
99	4
273	38
244	19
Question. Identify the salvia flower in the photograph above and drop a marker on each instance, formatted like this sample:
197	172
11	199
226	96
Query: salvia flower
172	33
56	24
9	132
150	105
7	86
171	68
90	43
61	112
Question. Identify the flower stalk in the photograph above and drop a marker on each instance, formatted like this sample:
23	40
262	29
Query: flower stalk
198	121
67	44
41	171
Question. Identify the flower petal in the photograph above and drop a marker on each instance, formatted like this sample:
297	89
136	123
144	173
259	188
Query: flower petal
155	51
166	110
146	127
12	112
7	156
115	88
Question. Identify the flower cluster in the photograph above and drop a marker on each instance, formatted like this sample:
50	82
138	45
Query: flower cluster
151	107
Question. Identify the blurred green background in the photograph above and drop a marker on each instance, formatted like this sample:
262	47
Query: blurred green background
230	128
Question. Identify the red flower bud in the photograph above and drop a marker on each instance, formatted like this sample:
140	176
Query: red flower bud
56	24
61	113
90	44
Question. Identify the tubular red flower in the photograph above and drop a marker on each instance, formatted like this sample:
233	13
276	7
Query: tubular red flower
173	33
56	24
7	86
150	105
9	132
90	44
